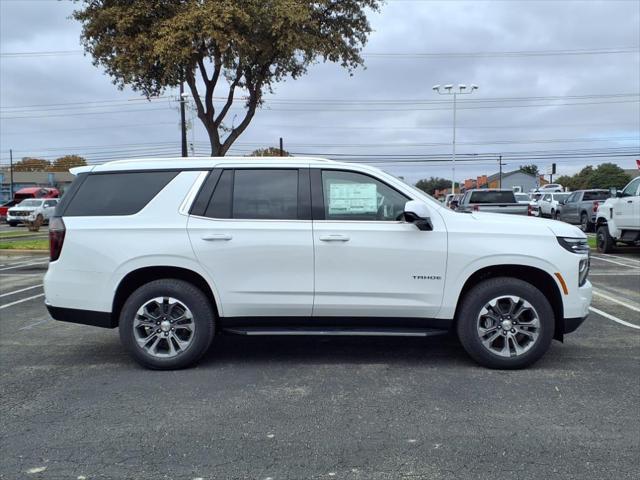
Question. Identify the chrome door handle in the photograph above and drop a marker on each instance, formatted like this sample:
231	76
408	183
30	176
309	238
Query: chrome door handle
217	236
334	238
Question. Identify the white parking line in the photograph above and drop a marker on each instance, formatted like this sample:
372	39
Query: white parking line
20	301
615	300
628	259
21	290
24	265
593	257
615	319
28	327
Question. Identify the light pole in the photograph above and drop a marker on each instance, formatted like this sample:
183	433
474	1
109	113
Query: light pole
450	90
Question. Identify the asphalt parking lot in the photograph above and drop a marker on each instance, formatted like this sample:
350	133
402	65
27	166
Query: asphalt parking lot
74	406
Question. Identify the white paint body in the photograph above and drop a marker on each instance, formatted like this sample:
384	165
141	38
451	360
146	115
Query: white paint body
41	206
303	267
622	213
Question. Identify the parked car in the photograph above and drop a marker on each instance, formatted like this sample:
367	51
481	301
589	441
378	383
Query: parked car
455	201
492	200
31	210
580	208
549	203
23	194
550	187
192	248
618	218
522	197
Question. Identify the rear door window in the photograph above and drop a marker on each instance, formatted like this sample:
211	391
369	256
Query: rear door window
258	194
106	194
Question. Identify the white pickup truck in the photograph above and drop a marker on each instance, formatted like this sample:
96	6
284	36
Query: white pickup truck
618	218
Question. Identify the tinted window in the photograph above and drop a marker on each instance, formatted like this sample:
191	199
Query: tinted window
116	193
492	197
220	204
354	196
595	196
265	194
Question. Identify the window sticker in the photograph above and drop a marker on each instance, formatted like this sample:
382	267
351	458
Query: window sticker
352	198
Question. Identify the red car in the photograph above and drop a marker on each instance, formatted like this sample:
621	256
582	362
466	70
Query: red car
28	192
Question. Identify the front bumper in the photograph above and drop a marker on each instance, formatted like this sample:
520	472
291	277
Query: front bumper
572	324
20	218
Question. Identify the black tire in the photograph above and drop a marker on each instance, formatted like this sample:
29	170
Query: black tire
556	215
191	297
478	297
604	242
553	214
12	224
585	224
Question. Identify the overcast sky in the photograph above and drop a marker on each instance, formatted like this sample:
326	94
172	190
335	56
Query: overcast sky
387	109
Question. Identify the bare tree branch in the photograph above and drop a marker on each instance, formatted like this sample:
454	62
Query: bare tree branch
229	101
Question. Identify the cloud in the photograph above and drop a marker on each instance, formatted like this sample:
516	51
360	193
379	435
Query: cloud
335	123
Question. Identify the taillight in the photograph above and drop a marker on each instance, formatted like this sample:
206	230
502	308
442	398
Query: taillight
529	210
476	208
56	237
595	206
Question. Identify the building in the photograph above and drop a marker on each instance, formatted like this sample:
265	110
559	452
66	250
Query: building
516	180
59	180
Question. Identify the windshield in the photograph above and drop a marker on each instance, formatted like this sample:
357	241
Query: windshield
491	197
31	203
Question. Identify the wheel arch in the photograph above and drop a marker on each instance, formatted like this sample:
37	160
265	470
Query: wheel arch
537	277
137	278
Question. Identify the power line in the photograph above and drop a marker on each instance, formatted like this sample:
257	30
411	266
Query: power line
486	54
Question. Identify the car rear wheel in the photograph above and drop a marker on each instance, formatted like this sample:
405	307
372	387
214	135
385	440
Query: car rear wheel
604	242
585	224
556	215
505	323
167	324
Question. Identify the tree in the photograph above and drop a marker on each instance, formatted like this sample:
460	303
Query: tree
604	176
151	45
434	183
28	164
269	152
608	175
530	169
63	164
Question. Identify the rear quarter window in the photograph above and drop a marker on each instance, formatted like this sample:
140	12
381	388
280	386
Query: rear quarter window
105	194
595	196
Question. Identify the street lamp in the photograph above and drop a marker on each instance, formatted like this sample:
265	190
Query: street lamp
455	91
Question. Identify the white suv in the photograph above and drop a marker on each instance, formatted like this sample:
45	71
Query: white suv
176	251
32	209
618	218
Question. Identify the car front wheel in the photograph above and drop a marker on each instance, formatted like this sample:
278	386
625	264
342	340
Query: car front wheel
604	242
505	323
167	324
585	224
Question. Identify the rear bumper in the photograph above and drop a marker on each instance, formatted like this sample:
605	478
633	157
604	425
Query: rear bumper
572	324
84	317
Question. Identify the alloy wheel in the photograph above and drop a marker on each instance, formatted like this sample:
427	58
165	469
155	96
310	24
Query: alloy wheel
164	327
508	326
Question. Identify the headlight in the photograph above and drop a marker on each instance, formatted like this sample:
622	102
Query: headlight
583	271
574	245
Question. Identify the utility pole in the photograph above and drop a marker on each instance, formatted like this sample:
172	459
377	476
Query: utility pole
183	124
500	174
448	90
10	174
281	148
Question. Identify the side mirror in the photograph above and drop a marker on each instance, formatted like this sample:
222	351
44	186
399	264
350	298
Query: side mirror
417	213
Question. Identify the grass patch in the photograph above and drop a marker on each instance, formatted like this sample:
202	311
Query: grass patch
39	244
591	241
21	233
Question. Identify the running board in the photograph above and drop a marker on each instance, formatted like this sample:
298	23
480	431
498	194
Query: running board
337	331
